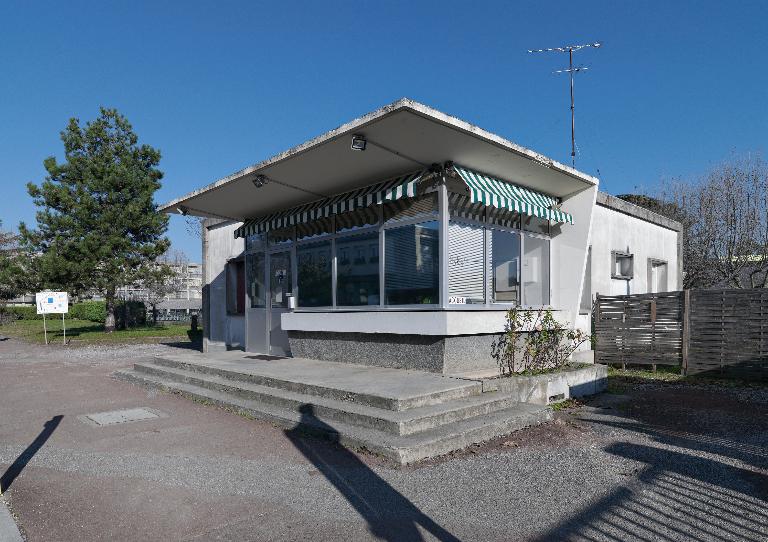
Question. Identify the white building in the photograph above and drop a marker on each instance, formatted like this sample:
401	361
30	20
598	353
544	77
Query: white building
401	239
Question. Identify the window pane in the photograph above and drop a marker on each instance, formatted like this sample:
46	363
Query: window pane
466	279
359	218
357	280
505	266
422	206
412	264
235	283
280	279
536	272
315	228
254	241
314	274
256	288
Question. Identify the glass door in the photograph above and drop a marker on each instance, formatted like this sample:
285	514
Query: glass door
280	289
256	317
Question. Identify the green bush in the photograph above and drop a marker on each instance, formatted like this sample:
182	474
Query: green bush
93	311
23	312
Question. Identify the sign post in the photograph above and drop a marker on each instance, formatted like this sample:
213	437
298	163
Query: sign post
52	303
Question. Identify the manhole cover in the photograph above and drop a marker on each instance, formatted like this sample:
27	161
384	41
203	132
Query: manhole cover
264	357
115	417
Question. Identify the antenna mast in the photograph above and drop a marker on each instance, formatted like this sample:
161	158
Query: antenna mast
570	71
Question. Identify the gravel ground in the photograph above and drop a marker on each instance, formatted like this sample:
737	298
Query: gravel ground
661	462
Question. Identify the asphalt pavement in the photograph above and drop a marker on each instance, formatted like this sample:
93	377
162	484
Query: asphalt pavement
658	462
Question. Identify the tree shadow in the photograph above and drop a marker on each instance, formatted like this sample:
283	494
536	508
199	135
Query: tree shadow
675	496
26	456
389	514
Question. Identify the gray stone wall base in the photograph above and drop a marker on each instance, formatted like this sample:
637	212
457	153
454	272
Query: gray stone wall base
432	353
553	387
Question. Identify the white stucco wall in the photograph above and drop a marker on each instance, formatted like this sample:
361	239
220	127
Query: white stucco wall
569	253
225	330
616	231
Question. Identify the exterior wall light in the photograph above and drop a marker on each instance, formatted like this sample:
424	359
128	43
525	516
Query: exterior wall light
260	180
358	143
183	211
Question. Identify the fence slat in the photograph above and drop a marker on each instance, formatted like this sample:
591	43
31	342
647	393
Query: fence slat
719	331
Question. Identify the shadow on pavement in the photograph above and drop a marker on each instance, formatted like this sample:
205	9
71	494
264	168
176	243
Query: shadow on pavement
699	474
390	515
26	456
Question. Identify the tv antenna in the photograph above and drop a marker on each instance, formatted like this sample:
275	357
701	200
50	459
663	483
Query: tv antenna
570	49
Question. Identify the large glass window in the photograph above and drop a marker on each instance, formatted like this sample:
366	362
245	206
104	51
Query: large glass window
412	269
535	271
235	286
466	256
254	241
280	279
357	270
255	275
314	274
505	266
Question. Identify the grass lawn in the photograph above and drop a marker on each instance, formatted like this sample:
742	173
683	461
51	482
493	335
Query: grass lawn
621	380
87	332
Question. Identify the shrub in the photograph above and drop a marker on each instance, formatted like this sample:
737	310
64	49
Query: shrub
534	341
22	312
94	311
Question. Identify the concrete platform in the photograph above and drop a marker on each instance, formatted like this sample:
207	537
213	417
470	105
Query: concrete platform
403	415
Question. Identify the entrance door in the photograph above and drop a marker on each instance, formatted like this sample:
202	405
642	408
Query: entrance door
256	317
280	288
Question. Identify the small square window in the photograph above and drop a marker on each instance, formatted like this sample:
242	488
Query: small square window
622	265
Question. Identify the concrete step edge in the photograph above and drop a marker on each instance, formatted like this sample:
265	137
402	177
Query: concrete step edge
402	422
400	449
388	403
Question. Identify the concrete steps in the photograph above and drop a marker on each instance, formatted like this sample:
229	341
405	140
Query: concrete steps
446	419
402	422
344	387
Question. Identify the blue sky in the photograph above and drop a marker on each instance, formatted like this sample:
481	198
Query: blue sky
217	86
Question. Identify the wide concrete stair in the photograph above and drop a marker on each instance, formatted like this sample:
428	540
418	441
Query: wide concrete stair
405	416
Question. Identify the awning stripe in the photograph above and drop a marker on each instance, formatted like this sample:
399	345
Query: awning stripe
503	195
390	190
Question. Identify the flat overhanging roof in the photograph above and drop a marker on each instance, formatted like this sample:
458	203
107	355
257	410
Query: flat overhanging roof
412	134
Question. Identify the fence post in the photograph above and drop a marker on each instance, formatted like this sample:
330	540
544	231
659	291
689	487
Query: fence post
595	322
686	330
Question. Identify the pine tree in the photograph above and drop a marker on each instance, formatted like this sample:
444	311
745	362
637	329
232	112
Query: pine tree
98	225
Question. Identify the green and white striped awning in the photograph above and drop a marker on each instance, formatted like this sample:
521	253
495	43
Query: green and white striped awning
503	195
390	190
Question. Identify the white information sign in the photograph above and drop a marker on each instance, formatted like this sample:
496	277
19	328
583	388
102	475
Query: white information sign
52	302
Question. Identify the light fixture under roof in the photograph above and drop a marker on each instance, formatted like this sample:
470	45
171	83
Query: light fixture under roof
260	180
182	210
358	142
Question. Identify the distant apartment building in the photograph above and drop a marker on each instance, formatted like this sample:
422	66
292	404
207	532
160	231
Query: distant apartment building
185	301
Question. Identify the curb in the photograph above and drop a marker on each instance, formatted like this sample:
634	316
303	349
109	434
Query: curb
9	532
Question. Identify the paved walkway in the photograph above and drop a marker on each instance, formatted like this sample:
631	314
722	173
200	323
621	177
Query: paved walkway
659	463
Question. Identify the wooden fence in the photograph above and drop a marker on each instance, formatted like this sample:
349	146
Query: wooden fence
645	329
702	331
